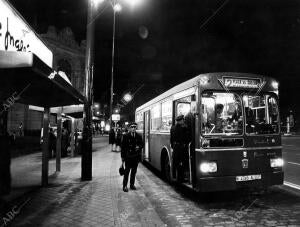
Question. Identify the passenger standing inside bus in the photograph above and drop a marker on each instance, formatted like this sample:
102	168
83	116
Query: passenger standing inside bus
132	144
179	143
219	119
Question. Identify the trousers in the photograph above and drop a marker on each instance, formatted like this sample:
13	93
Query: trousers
130	167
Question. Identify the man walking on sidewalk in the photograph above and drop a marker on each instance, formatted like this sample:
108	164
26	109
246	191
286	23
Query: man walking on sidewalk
131	148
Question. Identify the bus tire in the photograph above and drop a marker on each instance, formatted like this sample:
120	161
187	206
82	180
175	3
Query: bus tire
167	169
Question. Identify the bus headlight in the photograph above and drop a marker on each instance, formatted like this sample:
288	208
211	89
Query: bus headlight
276	162
208	167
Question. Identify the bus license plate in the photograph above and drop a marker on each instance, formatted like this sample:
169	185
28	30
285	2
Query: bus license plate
248	178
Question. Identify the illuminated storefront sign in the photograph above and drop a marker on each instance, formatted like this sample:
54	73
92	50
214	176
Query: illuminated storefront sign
16	35
115	117
241	82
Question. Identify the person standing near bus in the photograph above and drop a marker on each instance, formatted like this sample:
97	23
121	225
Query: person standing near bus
179	142
131	147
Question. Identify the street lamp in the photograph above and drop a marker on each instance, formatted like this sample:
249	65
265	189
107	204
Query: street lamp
116	8
127	97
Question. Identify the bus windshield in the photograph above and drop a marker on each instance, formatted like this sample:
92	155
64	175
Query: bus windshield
261	114
221	114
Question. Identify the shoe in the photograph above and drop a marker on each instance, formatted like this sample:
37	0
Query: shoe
125	189
132	187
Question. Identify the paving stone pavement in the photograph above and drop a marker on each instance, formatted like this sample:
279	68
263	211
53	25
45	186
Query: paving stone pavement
67	201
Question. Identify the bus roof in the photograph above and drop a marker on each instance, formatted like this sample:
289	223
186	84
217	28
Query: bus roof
194	82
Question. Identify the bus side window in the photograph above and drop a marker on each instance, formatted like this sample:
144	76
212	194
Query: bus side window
166	115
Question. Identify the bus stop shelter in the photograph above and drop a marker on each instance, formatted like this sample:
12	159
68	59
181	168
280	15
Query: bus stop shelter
25	79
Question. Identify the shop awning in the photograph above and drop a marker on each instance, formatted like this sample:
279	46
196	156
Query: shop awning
24	74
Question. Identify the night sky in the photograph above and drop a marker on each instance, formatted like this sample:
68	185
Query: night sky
164	42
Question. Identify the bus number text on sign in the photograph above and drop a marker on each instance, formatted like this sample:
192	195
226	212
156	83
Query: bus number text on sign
241	82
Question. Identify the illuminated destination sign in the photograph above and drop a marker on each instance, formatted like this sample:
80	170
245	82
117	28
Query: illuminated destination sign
16	35
241	82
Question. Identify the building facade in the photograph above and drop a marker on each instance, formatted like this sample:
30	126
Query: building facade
69	57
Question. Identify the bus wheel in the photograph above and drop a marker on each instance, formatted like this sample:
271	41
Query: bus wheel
167	170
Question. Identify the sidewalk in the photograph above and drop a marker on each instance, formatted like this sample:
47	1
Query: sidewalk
68	201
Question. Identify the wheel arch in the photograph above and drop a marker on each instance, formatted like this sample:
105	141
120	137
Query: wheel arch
165	152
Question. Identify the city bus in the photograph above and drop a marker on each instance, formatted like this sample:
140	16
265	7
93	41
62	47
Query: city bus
237	148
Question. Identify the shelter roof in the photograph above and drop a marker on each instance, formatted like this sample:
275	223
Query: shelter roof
24	75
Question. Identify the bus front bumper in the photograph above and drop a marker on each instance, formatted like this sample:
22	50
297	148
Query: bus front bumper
227	183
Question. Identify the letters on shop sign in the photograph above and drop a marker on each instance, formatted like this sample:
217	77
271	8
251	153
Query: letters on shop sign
10	40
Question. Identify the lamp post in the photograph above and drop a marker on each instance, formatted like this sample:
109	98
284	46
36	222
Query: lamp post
86	158
116	8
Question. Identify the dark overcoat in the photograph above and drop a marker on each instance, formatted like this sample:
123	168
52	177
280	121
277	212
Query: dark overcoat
131	147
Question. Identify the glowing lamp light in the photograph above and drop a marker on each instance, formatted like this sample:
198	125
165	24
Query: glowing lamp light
134	3
276	162
107	127
275	85
117	7
208	167
127	97
97	1
102	124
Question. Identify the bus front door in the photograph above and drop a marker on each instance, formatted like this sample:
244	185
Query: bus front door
147	135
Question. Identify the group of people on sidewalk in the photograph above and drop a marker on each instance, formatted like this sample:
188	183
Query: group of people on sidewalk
115	138
65	142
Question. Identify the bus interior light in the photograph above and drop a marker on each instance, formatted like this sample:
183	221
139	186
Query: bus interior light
276	162
208	167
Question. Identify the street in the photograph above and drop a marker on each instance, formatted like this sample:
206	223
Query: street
291	155
169	204
180	206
